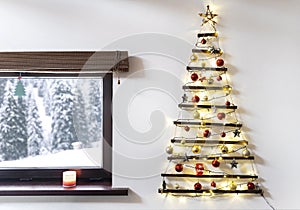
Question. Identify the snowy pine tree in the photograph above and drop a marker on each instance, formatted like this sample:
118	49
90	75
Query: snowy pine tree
34	127
95	110
41	87
62	108
13	131
80	118
47	95
2	88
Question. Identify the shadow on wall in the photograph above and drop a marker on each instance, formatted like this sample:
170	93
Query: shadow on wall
135	64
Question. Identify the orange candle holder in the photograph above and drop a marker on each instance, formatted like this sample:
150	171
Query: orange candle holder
69	178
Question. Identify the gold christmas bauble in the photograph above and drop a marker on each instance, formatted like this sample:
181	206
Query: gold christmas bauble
205	98
232	186
196	115
176	186
227	89
203	64
210	81
196	149
194	58
246	152
224	149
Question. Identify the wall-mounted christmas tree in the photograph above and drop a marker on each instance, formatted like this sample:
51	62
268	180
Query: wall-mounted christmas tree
208	154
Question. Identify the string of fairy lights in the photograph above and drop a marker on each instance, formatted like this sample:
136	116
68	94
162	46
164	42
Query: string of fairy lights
203	137
201	83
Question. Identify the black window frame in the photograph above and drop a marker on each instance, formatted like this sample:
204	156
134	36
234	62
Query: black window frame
48	181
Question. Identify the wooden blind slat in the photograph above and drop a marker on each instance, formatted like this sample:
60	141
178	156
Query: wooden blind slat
64	61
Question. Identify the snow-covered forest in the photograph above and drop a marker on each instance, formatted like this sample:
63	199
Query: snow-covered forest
54	116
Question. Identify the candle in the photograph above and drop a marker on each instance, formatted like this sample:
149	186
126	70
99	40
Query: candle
69	178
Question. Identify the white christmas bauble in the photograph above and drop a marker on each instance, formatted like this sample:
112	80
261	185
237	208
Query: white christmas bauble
169	149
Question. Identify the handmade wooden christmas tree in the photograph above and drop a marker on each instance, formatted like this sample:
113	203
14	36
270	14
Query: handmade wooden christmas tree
209	153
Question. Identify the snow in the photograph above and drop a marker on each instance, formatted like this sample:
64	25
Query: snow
69	158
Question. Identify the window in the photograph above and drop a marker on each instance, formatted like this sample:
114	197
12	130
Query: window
62	121
56	122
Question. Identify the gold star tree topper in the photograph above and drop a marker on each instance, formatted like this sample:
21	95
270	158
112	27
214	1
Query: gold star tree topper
208	17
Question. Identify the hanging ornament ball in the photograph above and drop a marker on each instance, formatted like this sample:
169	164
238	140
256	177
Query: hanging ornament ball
227	88
206	133
194	77
169	149
178	167
213	184
194	58
219	78
215	163
203	41
176	186
197	186
223	134
246	152
196	149
195	99
227	103
210	81
205	98
251	186
232	186
203	64
182	141
199	166
187	128
220	62
224	149
196	115
221	115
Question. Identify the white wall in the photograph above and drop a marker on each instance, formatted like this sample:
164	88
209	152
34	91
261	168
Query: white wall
261	42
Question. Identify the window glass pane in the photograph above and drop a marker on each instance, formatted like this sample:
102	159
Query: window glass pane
52	122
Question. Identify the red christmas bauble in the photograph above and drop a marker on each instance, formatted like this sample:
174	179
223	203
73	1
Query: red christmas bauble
187	128
227	103
219	78
179	167
213	184
220	62
197	186
199	167
206	133
194	77
223	134
203	41
215	163
221	115
251	186
195	99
